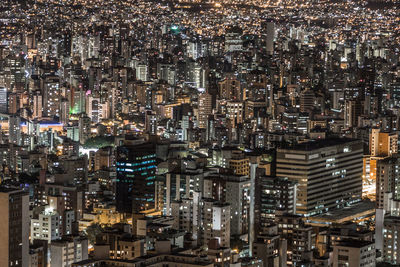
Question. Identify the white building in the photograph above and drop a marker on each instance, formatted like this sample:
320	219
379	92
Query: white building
47	226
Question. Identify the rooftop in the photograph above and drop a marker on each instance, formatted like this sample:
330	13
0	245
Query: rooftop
318	144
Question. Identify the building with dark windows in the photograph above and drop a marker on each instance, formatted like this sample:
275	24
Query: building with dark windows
272	194
14	227
136	170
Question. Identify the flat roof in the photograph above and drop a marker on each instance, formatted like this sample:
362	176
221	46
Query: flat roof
341	215
320	143
354	243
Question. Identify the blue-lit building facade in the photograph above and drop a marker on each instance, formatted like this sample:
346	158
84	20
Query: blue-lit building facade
136	173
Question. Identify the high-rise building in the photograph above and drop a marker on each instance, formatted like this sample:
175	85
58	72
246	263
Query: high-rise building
47	226
12	104
221	256
142	72
68	250
183	184
353	253
298	236
205	218
205	109
383	144
187	216
14	228
307	100
93	108
233	40
235	111
387	180
240	165
136	168
64	111
14	130
235	190
84	129
229	88
387	189
51	96
269	38
270	247
328	173
151	122
272	194
216	219
3	100
352	111
37	105
391	238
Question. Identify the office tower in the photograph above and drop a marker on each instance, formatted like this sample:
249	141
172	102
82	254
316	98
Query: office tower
47	226
270	36
307	100
84	128
14	227
68	250
136	168
166	72
272	194
328	173
205	109
382	144
3	100
197	49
